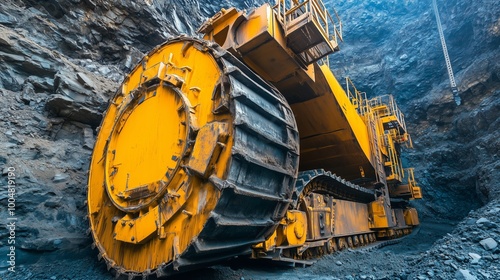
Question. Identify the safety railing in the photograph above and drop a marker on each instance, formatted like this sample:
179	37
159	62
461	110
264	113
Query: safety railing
394	160
412	183
374	140
289	10
356	97
392	108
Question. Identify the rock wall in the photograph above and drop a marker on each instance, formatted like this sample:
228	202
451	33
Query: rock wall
60	61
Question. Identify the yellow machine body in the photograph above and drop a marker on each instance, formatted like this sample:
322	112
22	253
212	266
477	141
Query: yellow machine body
332	135
198	159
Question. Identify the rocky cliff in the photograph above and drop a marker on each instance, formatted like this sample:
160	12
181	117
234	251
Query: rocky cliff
62	59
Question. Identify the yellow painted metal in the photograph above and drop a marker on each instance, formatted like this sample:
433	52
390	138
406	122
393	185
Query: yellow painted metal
167	137
319	216
345	133
256	39
267	245
333	135
412	183
377	215
389	114
411	217
336	113
396	174
209	143
350	218
292	230
307	25
142	144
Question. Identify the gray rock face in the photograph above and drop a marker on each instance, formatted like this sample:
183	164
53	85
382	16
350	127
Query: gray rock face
475	257
461	253
60	61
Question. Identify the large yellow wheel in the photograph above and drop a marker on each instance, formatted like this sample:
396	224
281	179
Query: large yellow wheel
195	161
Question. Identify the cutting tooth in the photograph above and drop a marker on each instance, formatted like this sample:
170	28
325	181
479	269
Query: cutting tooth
159	271
93	245
109	264
146	273
118	272
99	256
88	231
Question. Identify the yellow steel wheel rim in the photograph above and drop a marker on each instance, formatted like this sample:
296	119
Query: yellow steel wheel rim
217	180
139	233
145	148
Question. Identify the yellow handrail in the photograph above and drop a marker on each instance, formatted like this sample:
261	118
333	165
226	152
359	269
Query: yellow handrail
355	97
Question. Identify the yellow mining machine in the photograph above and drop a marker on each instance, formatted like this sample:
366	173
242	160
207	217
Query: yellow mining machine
198	160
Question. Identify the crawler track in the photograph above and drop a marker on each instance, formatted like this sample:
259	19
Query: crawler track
332	184
321	181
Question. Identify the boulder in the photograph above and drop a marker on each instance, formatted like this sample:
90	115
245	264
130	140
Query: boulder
464	274
489	243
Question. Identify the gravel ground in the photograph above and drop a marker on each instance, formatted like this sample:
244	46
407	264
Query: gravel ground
384	263
435	250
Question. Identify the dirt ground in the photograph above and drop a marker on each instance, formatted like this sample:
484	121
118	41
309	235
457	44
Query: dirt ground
390	262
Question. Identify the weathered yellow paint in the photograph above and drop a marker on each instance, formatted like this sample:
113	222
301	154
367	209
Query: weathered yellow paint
209	142
333	135
378	216
319	213
411	217
293	230
138	153
350	218
151	190
260	42
355	121
268	244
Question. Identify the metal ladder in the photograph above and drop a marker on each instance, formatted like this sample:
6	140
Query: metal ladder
453	84
379	167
